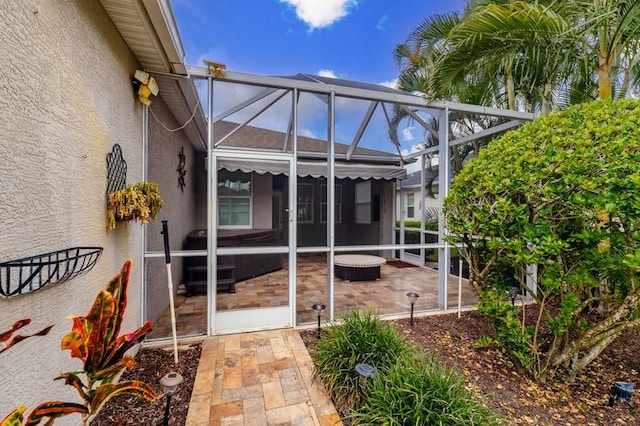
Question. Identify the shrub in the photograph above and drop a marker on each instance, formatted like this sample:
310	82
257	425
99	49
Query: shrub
419	390
563	193
360	338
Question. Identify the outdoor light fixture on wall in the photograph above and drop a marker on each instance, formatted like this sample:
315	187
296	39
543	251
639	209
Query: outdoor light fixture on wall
147	86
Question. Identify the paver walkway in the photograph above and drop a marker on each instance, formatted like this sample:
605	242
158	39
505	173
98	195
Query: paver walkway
260	378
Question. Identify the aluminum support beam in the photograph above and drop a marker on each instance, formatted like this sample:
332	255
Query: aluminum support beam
423	123
444	162
250	119
212	214
362	128
468	138
355	92
244	104
292	209
331	196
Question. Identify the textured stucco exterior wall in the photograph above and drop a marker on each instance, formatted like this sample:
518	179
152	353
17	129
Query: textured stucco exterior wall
65	99
179	209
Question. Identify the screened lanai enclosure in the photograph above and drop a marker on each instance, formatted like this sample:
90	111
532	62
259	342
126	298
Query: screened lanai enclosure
290	200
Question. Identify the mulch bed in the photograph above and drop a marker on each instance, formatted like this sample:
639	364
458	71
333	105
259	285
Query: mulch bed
490	374
151	365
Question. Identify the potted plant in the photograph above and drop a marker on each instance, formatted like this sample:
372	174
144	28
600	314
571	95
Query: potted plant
139	201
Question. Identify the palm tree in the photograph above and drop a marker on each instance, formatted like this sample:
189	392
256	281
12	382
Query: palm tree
545	51
418	57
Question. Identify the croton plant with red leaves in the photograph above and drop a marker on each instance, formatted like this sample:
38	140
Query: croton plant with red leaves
95	340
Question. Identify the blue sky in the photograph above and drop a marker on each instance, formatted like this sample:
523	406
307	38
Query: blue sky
350	39
354	39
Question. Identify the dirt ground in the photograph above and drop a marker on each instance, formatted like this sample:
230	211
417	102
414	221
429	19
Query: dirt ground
490	374
151	365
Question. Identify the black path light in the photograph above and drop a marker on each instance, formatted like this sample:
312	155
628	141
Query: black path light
318	307
622	391
413	297
514	293
170	383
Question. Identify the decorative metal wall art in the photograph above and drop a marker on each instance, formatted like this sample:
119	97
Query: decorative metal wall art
116	170
32	273
181	170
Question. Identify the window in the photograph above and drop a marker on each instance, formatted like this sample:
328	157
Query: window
411	213
363	202
337	204
234	199
305	203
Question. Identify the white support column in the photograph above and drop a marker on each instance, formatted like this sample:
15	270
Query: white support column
421	207
292	218
212	196
330	205
444	168
145	155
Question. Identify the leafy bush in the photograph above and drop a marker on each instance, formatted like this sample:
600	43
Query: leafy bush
360	338
563	193
419	390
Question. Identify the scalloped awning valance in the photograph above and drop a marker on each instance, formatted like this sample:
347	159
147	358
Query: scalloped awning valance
315	169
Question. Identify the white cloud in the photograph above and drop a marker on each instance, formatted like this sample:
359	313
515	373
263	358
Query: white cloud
392	84
321	13
327	73
407	133
382	22
414	148
308	133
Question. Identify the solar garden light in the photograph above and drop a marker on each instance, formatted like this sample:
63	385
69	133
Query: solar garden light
622	391
170	383
413	297
513	293
318	307
365	371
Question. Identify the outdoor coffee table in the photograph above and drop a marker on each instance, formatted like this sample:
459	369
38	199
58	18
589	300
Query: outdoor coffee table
358	267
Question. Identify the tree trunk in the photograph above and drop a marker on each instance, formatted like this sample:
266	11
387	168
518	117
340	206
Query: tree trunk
605	91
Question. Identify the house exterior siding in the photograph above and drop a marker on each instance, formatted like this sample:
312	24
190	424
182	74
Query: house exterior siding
65	99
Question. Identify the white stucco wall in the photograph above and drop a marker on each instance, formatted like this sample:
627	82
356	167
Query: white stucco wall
179	209
65	99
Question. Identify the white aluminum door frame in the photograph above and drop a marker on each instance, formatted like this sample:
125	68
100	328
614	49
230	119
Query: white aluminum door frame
251	319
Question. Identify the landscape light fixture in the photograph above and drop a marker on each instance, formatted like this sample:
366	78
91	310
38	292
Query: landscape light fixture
318	307
147	86
170	383
513	293
413	297
365	371
622	391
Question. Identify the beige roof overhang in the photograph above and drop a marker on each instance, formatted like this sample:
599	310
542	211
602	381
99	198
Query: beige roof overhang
150	30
